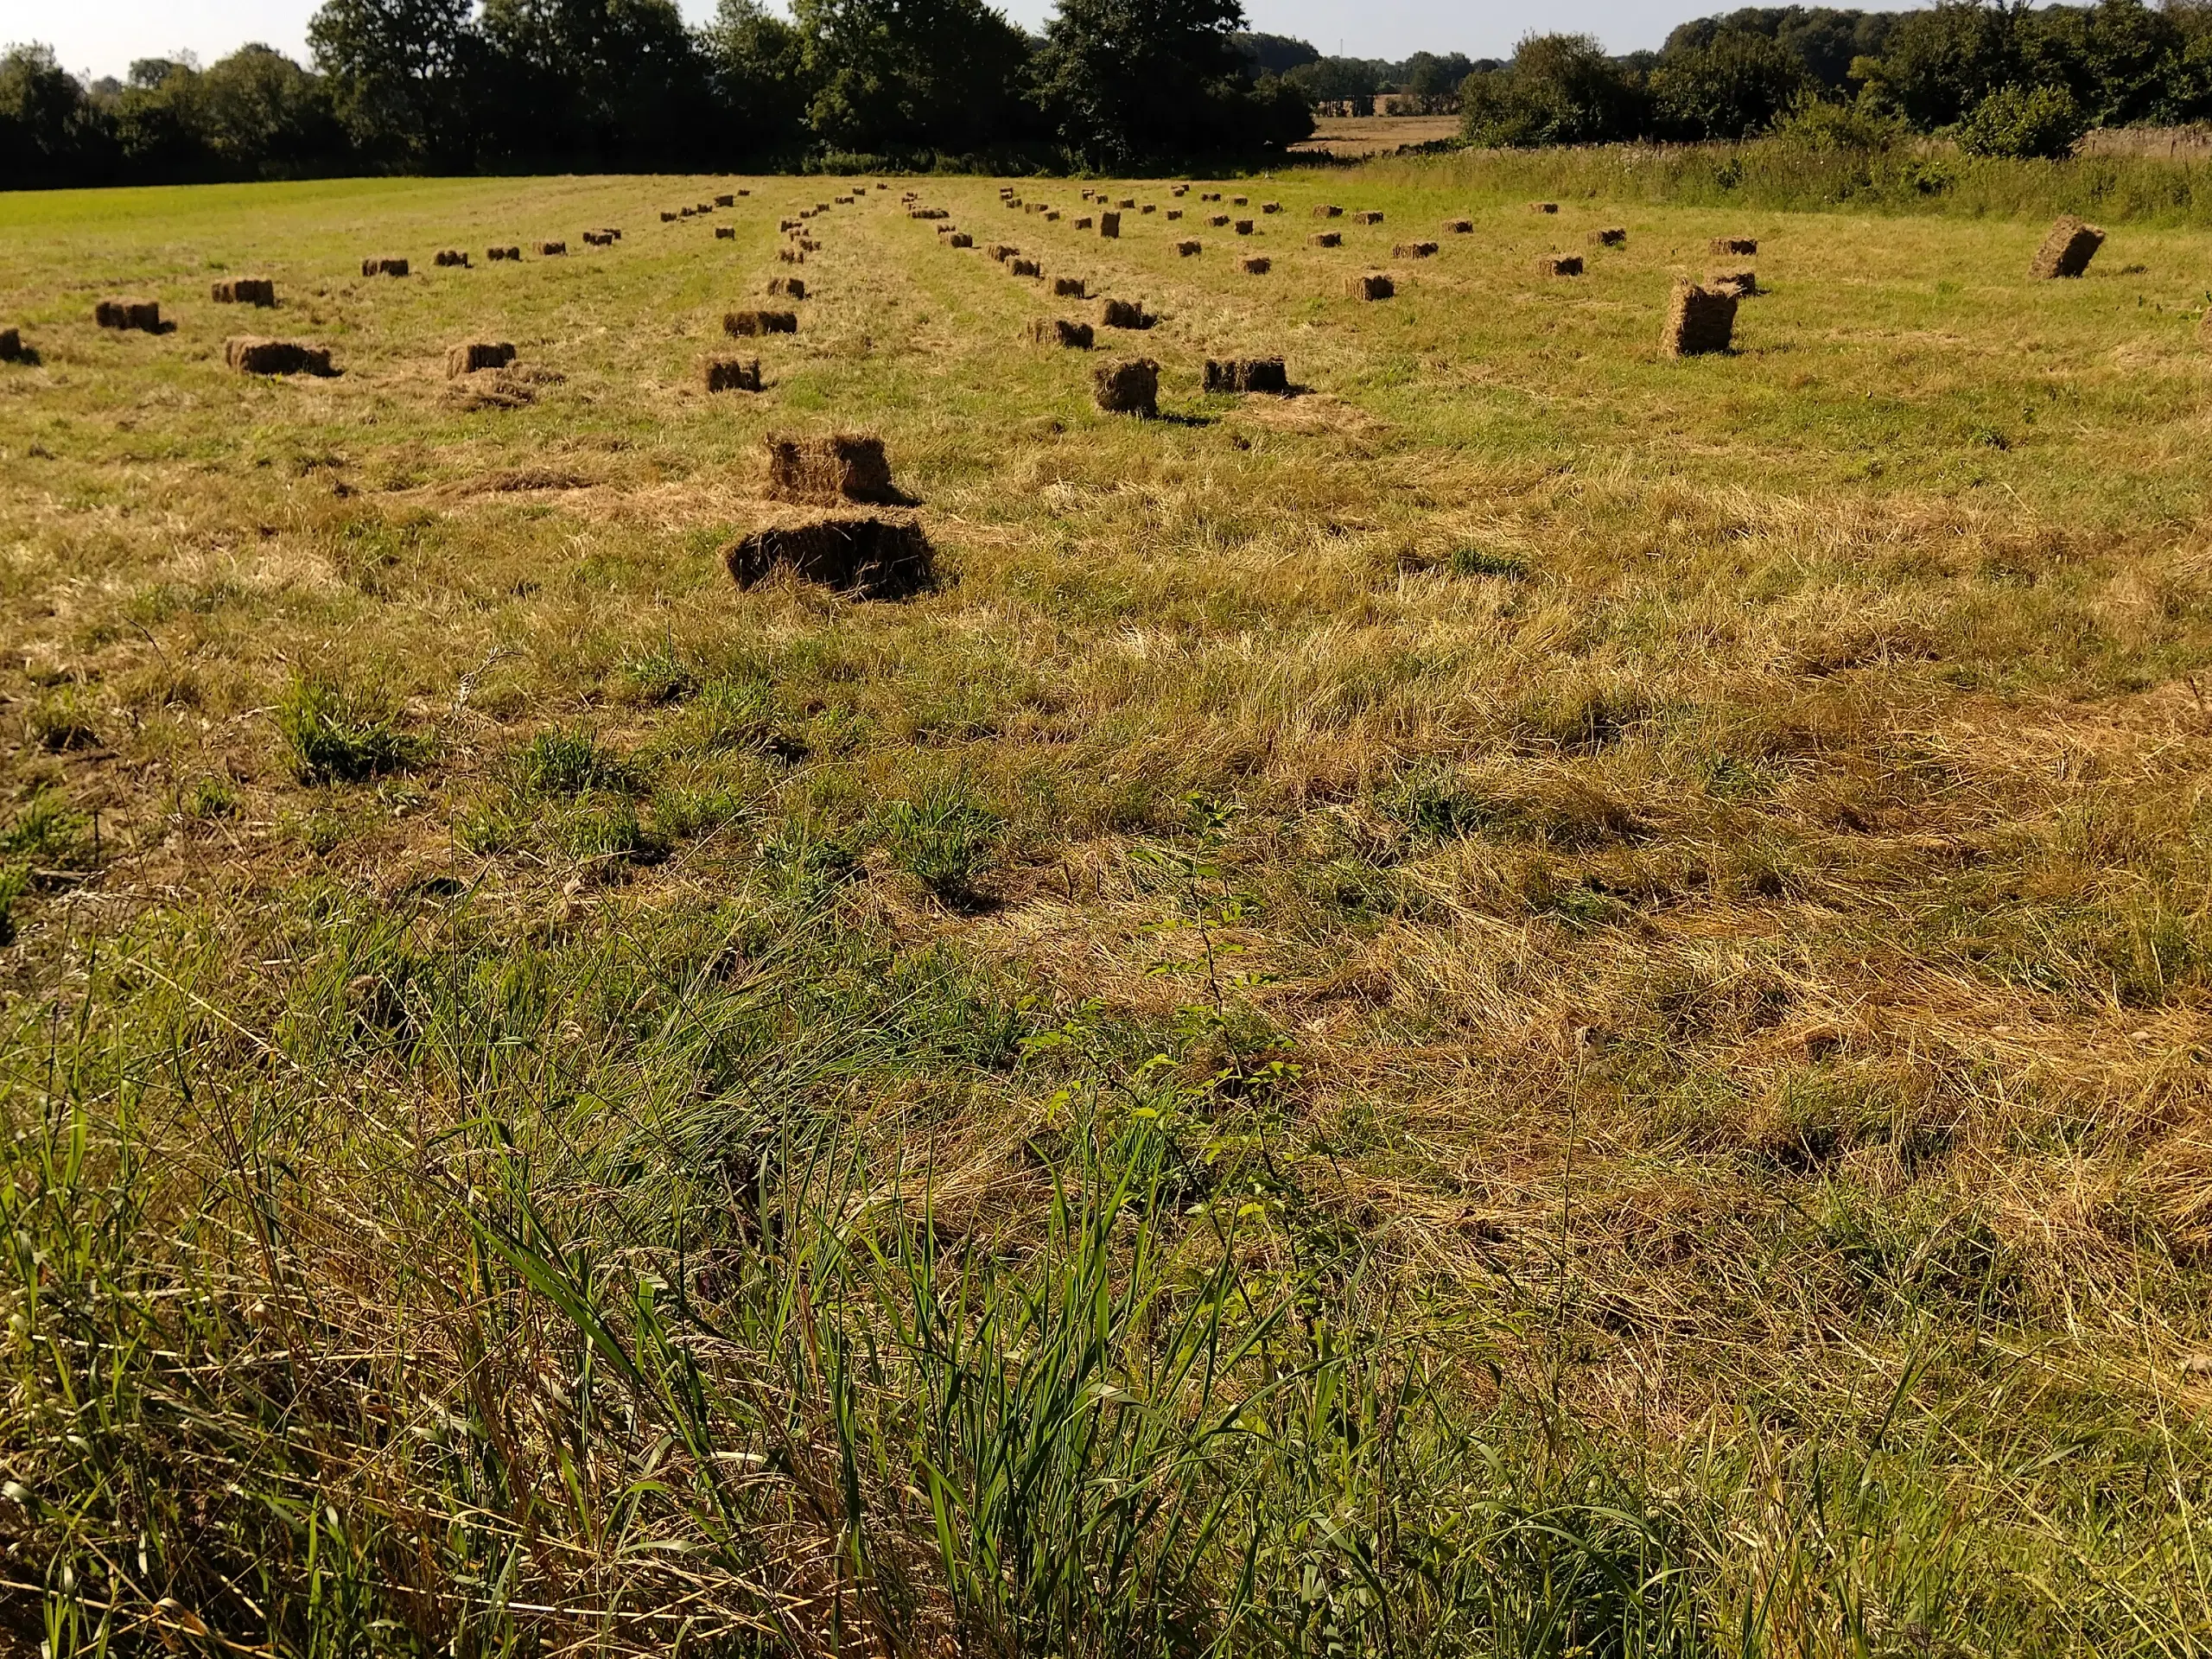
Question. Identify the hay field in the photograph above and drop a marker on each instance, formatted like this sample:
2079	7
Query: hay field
1539	1000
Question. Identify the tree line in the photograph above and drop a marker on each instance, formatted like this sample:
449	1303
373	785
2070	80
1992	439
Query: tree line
455	86
2000	78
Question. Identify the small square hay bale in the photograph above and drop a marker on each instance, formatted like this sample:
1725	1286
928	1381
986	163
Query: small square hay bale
1412	250
1052	215
842	466
869	558
497	254
1147	208
807	245
1458	227
1699	320
446	259
1128	386
1034	206
1243	227
1732	247
741	324
1187	247
249	354
725	233
1174	213
1025	267
1083	221
823	207
791	256
1613	235
1122	314
1560	264
1109	224
551	250
1328	210
1368	216
382	267
2067	250
245	291
788	224
842	201
1067	288
1178	190
1240	201
1246	374
727	199
1258	266
1209	195
1543	207
143	315
1002	251
687	212
1127	201
944	230
1217	220
1373	285
1058	331
1743	285
960	240
11	345
1328	239
473	354
790	288
706	207
666	217
730	374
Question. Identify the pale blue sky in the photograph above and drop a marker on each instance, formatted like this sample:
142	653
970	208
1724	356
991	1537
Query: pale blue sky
103	36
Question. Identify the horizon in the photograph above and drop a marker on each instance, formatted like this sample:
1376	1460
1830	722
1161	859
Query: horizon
96	43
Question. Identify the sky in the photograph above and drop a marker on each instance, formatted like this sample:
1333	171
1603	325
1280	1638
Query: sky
100	37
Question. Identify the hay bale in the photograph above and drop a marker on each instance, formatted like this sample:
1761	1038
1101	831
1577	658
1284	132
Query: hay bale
245	291
250	354
1543	207
869	558
1067	288
842	201
1127	201
787	224
742	324
1743	285
1328	210
725	233
667	218
1326	238
1000	251
551	250
503	253
1122	314
1025	267
842	466
1368	216
1052	215
472	355
1613	235
382	267
960	240
706	207
1246	374
1271	206
1083	222
1741	247
790	288
1699	320
686	212
1174	213
1109	224
944	230
1188	248
1147	208
143	314
446	259
1178	190
1258	266
2067	250
1243	227
1128	386
1372	285
1412	250
1240	201
1458	227
1219	221
1058	331
730	200
1209	195
11	346
730	374
1560	264
790	256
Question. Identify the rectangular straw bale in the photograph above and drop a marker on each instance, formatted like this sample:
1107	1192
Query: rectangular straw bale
496	254
1209	195
1109	224
729	199
1217	220
1367	216
1560	264
1187	247
1129	387
1052	215
249	354
1178	190
1122	314
11	346
1258	266
1271	206
743	323
1743	285
725	233
1025	267
473	354
1002	251
1127	201
1732	247
687	213
1246	374
1067	288
1412	250
383	267
1243	227
245	291
1373	285
869	558
1058	331
143	315
791	256
1083	222
551	250
1147	208
1328	210
1328	239
1174	213
1613	235
840	466
1543	207
1458	227
730	374
667	217
960	240
2067	250
1699	320
790	288
1240	201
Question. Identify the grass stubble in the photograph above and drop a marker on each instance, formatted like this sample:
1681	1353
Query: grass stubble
1539	1000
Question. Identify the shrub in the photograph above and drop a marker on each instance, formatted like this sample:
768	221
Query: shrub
2021	123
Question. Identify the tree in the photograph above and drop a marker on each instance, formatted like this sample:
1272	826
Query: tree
1125	81
1941	62
50	132
1560	89
1433	81
1334	80
265	116
910	74
758	63
1737	83
613	81
1273	55
401	71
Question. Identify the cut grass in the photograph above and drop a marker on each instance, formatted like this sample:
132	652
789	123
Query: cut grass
1537	1001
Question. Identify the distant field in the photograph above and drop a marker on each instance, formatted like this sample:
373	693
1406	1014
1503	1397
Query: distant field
1538	1001
1355	137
